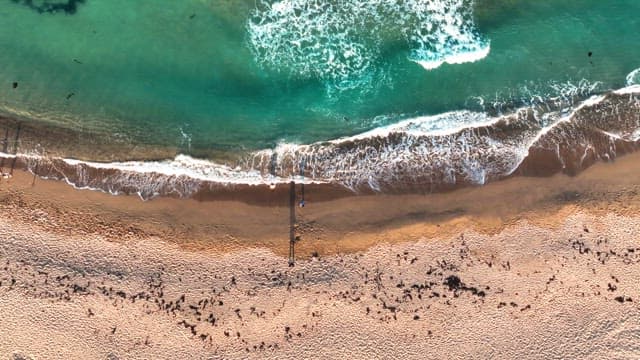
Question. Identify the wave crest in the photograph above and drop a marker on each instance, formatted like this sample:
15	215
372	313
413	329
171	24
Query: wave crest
634	77
424	154
340	41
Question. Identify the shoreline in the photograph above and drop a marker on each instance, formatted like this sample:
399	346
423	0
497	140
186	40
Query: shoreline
564	279
554	259
330	223
337	179
404	158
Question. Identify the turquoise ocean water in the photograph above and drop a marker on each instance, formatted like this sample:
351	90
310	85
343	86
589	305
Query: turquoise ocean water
247	75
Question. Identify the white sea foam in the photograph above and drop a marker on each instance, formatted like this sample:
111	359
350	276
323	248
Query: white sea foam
460	147
411	152
634	77
632	89
340	41
445	33
478	52
187	166
434	125
311	39
543	96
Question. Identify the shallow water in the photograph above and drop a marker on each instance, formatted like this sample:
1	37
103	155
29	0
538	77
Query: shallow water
242	76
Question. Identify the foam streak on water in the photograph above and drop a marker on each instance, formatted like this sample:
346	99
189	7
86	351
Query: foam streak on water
425	154
634	77
339	41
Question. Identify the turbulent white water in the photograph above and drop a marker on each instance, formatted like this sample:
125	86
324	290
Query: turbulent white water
460	147
634	77
340	41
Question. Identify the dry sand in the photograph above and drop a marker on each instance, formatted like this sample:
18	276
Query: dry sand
521	268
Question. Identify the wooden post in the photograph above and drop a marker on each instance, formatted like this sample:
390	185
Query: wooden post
292	222
302	185
5	144
15	149
35	172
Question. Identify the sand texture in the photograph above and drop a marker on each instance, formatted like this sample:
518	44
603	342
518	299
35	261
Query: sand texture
527	292
533	268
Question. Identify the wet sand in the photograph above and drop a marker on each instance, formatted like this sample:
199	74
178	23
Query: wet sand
601	128
333	221
528	267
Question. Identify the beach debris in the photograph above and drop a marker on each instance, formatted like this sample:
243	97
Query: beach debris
400	299
20	356
455	284
580	246
622	299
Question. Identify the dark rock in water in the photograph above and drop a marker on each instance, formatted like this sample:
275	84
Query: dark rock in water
15	85
68	7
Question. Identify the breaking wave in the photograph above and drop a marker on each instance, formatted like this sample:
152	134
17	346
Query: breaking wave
340	41
423	154
634	77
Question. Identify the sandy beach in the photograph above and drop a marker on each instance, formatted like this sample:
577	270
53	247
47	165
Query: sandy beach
294	179
529	267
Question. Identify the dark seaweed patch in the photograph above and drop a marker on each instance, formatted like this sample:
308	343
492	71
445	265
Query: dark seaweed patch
69	7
